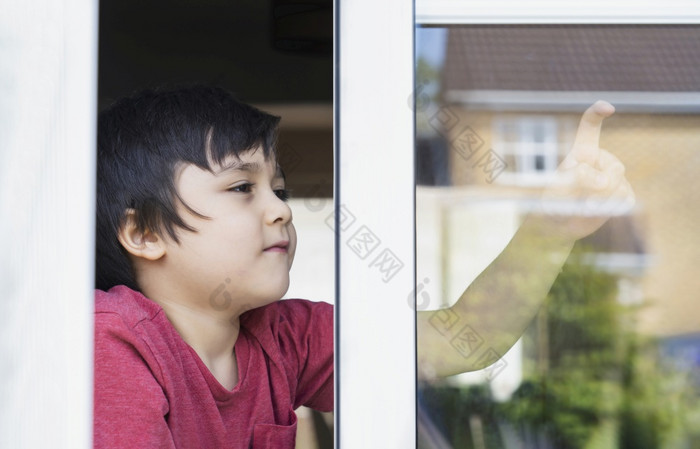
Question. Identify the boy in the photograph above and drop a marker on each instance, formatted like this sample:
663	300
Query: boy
194	244
192	231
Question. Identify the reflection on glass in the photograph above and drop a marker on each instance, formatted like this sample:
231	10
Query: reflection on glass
611	356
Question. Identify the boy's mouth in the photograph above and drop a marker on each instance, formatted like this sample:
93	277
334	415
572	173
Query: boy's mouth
279	247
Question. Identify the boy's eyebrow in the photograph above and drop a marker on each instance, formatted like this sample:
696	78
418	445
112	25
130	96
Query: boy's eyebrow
237	165
254	167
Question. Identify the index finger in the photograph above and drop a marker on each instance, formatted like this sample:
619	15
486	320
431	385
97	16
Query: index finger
588	133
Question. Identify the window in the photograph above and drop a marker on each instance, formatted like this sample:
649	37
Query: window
530	147
53	58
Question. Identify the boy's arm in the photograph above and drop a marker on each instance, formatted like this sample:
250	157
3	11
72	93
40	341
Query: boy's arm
129	404
307	339
496	308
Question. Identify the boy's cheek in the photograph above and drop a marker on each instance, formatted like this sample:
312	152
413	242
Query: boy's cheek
292	244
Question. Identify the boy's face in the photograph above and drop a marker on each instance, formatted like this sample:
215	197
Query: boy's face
241	254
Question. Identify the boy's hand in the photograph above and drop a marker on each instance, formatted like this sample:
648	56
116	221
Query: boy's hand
498	305
590	184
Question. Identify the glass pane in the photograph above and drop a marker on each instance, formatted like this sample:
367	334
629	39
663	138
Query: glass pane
559	345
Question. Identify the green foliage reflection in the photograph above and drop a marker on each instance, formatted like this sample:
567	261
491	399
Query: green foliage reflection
591	381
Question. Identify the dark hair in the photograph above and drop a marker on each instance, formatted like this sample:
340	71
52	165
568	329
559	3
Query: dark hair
140	142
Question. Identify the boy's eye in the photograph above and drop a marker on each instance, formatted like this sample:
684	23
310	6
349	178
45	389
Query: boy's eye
242	188
282	194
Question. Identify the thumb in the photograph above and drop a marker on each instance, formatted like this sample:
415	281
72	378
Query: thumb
586	144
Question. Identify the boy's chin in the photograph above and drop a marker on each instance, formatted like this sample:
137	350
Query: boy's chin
264	302
275	296
283	289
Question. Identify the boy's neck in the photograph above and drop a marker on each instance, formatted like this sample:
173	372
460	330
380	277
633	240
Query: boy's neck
211	336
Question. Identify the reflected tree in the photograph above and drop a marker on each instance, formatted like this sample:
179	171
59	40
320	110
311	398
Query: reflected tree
591	381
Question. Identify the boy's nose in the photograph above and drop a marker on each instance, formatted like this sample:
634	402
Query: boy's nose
278	210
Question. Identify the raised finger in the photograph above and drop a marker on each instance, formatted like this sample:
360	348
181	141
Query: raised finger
588	133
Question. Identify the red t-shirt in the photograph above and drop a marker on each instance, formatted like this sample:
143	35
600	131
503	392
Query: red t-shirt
153	391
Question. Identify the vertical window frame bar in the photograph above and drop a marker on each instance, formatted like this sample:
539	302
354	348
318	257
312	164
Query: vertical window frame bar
47	160
375	200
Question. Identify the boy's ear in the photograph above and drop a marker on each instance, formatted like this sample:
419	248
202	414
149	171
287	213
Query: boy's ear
145	244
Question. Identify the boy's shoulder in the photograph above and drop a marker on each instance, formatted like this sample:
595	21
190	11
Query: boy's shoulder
131	306
297	316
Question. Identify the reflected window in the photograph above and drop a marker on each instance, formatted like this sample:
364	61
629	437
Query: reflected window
530	146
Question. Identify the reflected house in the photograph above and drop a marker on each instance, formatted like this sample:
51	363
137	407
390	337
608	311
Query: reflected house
511	100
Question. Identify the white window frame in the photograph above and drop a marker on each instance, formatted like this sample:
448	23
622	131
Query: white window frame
48	83
455	12
374	204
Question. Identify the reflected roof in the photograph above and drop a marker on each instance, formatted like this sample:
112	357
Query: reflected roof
573	58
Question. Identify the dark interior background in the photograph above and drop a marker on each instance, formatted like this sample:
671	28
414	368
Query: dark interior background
274	54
